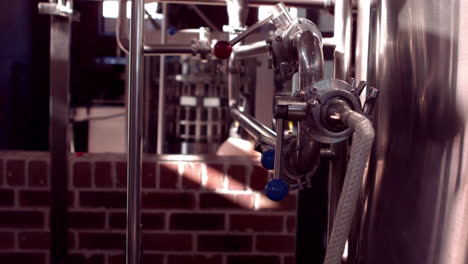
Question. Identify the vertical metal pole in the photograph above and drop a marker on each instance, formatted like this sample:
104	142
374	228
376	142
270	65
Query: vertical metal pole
343	38
342	70
135	74
362	42
60	30
162	86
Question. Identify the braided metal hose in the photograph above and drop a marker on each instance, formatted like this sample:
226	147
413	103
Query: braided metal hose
363	138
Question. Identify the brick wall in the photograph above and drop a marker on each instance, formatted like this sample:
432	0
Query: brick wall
208	210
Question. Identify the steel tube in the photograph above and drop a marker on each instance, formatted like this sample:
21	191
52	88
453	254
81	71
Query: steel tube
255	3
162	87
250	30
343	39
134	151
279	143
149	50
310	58
60	37
251	50
257	130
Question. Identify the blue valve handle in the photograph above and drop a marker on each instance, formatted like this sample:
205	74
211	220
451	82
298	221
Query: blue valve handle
172	31
268	159
276	190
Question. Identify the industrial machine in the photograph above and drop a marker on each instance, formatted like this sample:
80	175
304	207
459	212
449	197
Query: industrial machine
389	126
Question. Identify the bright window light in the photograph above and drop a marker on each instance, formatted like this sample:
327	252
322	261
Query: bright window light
293	12
110	9
265	11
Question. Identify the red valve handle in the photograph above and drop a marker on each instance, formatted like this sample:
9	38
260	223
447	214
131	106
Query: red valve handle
222	49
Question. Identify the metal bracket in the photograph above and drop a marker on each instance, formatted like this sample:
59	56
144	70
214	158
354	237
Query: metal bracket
58	9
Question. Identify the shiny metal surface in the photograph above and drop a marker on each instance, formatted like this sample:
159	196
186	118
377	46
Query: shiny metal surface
342	37
134	133
150	49
256	129
251	50
255	3
60	43
416	208
162	88
362	41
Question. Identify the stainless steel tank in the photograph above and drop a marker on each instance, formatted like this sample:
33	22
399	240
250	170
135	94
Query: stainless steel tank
415	204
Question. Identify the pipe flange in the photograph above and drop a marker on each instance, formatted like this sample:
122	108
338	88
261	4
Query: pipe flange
319	96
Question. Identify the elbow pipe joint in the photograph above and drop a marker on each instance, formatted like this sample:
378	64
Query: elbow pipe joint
298	48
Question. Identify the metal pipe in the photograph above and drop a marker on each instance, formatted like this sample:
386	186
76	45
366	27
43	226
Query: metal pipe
250	30
257	130
135	59
362	41
162	87
342	38
255	3
149	50
168	49
279	143
328	42
236	18
310	58
251	50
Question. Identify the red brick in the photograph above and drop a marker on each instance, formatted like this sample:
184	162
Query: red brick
215	176
149	221
71	240
168	174
15	172
121	173
7	240
191	221
167	242
23	257
82	174
287	204
86	220
224	243
85	259
161	200
257	223
7	197
153	258
237	177
258	178
147	258
194	259
191	178
21	219
253	259
101	241
34	198
38	173
148	175
226	201
289	260
276	243
103	199
102	174
291	224
34	240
